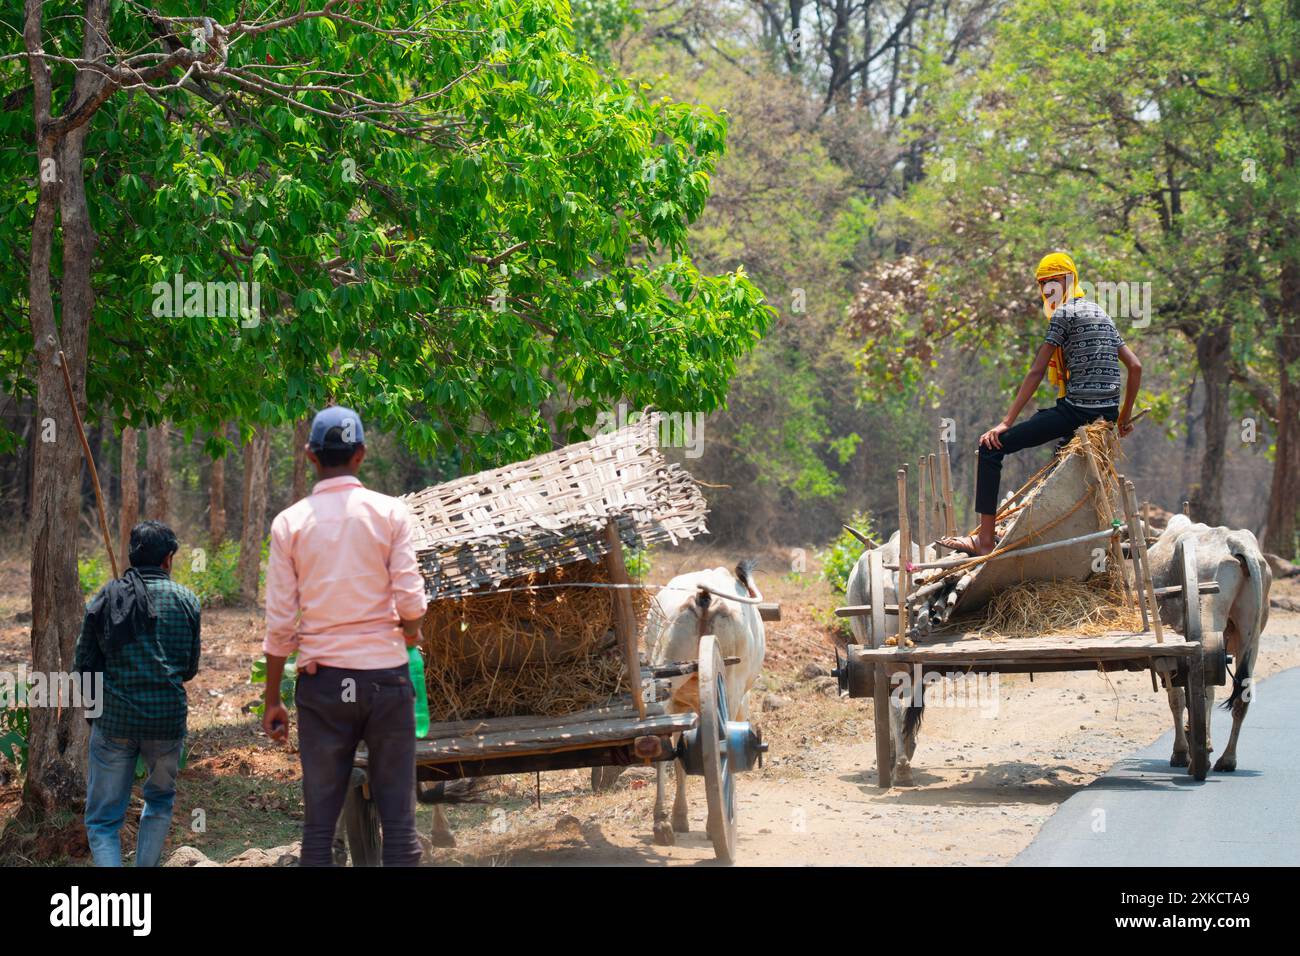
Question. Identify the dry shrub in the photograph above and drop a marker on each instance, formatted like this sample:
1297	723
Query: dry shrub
543	652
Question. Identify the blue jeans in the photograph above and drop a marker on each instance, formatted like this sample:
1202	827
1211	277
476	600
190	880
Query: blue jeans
108	791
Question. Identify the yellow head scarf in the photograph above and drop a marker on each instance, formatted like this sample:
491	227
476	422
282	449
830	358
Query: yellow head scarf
1058	264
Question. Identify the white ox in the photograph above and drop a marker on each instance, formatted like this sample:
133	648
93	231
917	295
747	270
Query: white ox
1239	611
679	616
904	721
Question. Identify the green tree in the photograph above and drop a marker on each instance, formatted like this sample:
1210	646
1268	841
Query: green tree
1159	142
449	215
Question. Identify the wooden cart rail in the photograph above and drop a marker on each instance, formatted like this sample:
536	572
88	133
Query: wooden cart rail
526	741
967	650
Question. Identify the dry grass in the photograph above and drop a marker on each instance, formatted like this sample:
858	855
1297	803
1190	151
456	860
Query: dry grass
543	652
1044	608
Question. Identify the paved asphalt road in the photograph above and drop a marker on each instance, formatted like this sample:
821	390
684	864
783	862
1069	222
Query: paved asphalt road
1145	813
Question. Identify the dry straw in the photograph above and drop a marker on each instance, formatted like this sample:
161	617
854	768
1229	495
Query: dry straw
1045	608
543	652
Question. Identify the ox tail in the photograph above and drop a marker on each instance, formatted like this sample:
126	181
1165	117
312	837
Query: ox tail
914	716
745	575
1255	570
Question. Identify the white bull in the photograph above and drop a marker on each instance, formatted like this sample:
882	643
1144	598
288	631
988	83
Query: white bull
904	721
679	616
1240	611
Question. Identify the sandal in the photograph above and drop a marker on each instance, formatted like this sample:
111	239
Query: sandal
963	543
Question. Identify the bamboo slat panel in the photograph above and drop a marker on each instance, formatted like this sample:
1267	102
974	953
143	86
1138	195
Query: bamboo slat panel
531	516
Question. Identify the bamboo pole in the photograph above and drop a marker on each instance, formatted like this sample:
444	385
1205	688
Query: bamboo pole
1011	552
1131	520
904	557
624	615
922	475
936	503
90	463
949	515
1148	586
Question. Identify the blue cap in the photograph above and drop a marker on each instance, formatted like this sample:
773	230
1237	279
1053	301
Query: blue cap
336	416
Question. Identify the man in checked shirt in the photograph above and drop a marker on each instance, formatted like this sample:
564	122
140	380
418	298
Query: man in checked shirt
343	590
141	632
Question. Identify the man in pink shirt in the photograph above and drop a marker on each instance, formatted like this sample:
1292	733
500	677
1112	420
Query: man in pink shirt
343	590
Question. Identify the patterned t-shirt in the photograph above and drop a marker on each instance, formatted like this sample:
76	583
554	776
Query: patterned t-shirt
1091	343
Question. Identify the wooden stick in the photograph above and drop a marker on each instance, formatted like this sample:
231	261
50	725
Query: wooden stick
625	616
922	476
1130	524
936	503
90	463
949	515
1009	553
905	557
1148	586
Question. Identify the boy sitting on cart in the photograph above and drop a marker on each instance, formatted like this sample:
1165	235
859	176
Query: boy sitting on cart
1081	354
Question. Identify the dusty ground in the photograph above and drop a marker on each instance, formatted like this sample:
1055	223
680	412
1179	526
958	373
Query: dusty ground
985	782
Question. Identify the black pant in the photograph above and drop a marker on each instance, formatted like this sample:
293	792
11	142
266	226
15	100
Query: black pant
337	709
1059	421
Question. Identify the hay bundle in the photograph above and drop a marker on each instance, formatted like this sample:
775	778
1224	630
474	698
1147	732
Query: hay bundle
1043	608
545	652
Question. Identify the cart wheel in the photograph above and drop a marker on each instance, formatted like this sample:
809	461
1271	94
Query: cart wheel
719	775
884	739
1196	716
361	819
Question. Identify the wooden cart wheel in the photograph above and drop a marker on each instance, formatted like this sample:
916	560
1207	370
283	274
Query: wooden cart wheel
884	739
361	820
719	773
1197	716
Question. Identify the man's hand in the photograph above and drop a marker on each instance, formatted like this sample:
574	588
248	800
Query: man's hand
411	631
993	437
275	721
1125	427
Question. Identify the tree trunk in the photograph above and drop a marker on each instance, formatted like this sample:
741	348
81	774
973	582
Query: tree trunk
157	502
257	460
1212	348
1284	492
57	736
301	432
129	512
217	502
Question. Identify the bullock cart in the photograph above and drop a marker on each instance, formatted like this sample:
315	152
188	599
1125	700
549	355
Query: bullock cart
533	538
1072	518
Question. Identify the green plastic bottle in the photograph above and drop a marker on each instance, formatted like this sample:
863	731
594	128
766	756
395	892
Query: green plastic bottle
421	693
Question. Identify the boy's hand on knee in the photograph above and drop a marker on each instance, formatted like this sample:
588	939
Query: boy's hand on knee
993	437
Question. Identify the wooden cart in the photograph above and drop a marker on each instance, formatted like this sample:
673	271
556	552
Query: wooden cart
581	502
1191	660
710	744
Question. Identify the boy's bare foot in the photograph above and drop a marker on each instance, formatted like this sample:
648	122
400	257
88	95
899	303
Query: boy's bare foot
966	544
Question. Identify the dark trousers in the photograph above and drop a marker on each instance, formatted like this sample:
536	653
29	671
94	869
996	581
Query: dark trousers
1047	424
337	709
